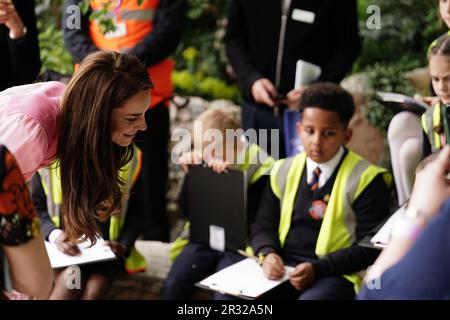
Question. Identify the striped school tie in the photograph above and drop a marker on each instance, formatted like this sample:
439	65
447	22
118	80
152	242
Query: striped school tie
314	182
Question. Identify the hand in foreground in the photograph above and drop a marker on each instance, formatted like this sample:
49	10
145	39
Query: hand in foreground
65	246
218	166
273	266
119	249
303	276
432	187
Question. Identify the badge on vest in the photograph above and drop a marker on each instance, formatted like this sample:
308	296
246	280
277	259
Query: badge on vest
303	16
317	209
121	31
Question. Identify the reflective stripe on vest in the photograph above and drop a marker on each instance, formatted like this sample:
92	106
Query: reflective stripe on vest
431	120
338	226
137	23
51	184
256	163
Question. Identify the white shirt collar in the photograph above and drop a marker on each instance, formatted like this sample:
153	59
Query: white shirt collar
326	168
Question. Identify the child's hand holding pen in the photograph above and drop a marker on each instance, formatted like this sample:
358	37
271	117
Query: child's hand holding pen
273	266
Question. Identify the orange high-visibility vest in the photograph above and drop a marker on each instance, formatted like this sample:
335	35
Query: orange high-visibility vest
133	24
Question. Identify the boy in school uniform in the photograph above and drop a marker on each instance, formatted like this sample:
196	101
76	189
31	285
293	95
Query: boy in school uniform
320	203
193	262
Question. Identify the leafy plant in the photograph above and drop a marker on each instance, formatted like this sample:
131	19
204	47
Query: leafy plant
407	29
193	81
390	78
54	55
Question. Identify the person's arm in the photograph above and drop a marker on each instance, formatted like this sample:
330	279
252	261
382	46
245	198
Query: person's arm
30	268
431	189
20	238
237	50
24	50
27	142
166	34
349	44
78	41
371	208
429	256
134	218
264	231
40	204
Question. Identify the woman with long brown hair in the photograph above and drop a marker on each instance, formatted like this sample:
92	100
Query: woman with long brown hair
87	126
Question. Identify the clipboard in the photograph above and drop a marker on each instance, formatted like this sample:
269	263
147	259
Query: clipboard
217	208
244	279
399	102
378	238
97	253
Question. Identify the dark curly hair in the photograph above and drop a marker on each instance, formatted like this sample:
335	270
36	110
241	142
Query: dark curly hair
331	97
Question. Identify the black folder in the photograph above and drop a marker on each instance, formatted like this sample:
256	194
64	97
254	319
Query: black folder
398	102
217	204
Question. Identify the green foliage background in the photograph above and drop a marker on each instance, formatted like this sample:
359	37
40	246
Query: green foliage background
408	27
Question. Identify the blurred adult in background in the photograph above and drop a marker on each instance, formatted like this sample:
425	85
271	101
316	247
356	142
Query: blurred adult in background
19	48
416	262
151	31
264	42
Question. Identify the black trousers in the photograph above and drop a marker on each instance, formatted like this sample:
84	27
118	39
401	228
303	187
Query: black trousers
154	144
196	262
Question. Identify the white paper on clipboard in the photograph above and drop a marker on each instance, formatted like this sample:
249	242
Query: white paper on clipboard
243	279
97	253
381	238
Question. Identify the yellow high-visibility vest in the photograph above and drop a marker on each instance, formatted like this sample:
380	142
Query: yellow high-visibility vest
339	223
51	184
431	121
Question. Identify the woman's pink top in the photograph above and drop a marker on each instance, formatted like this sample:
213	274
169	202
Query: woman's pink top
28	124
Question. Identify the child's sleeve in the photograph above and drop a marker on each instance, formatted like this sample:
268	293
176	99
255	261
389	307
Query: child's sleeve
183	199
134	218
264	231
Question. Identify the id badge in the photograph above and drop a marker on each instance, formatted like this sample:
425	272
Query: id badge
303	16
217	238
